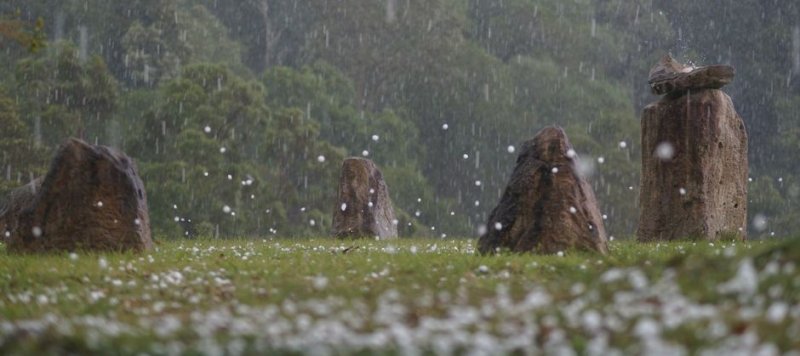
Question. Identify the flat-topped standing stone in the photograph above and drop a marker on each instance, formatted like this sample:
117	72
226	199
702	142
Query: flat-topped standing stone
547	206
363	207
669	76
90	199
694	168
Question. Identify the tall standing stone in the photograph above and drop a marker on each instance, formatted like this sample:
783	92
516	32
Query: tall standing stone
694	158
91	199
547	206
363	207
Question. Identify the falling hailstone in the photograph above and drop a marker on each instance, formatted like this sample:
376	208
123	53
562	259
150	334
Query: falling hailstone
477	183
760	222
665	151
554	170
445	126
222	149
205	174
601	160
481	230
498	226
365	153
375	138
682	191
99	204
226	209
207	129
36	231
477	203
312	222
571	153
320	158
395	222
573	210
8	234
344	206
511	149
623	144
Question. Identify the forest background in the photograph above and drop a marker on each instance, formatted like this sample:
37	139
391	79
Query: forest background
239	112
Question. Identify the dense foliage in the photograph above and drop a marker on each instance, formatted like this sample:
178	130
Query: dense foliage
240	112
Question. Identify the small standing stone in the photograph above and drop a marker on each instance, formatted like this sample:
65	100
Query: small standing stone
547	206
363	207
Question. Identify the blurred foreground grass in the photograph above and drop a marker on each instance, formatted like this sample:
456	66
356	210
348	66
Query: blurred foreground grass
402	296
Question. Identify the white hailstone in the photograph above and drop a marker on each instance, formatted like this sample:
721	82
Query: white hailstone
560	253
417	213
419	200
611	238
452	213
443	235
226	209
174	206
465	156
312	222
41	299
102	263
319	282
571	153
780	179
413	249
222	149
375	138
511	149
760	222
36	231
99	204
252	196
630	187
233	213
137	221
477	183
73	256
776	312
601	160
369	204
343	207
433	228
605	217
205	174
303	209
682	191
176	219
483	269
207	129
395	222
445	126
573	210
365	153
498	226
477	203
321	159
665	151
267	211
230	177
623	144
7	233
371	191
481	229
554	170
749	179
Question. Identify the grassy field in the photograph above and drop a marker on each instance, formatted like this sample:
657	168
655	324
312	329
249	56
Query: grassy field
408	296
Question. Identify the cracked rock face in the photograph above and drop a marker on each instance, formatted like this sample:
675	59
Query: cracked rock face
694	168
363	207
91	199
547	207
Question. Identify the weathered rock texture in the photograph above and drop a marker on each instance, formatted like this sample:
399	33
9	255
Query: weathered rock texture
547	206
669	76
90	199
363	207
699	189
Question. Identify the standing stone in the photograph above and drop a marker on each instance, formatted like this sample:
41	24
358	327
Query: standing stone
363	207
90	199
694	163
547	206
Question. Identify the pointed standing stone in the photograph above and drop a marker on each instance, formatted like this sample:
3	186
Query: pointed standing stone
91	199
547	206
363	207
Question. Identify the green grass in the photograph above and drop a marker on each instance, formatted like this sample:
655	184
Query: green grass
410	295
